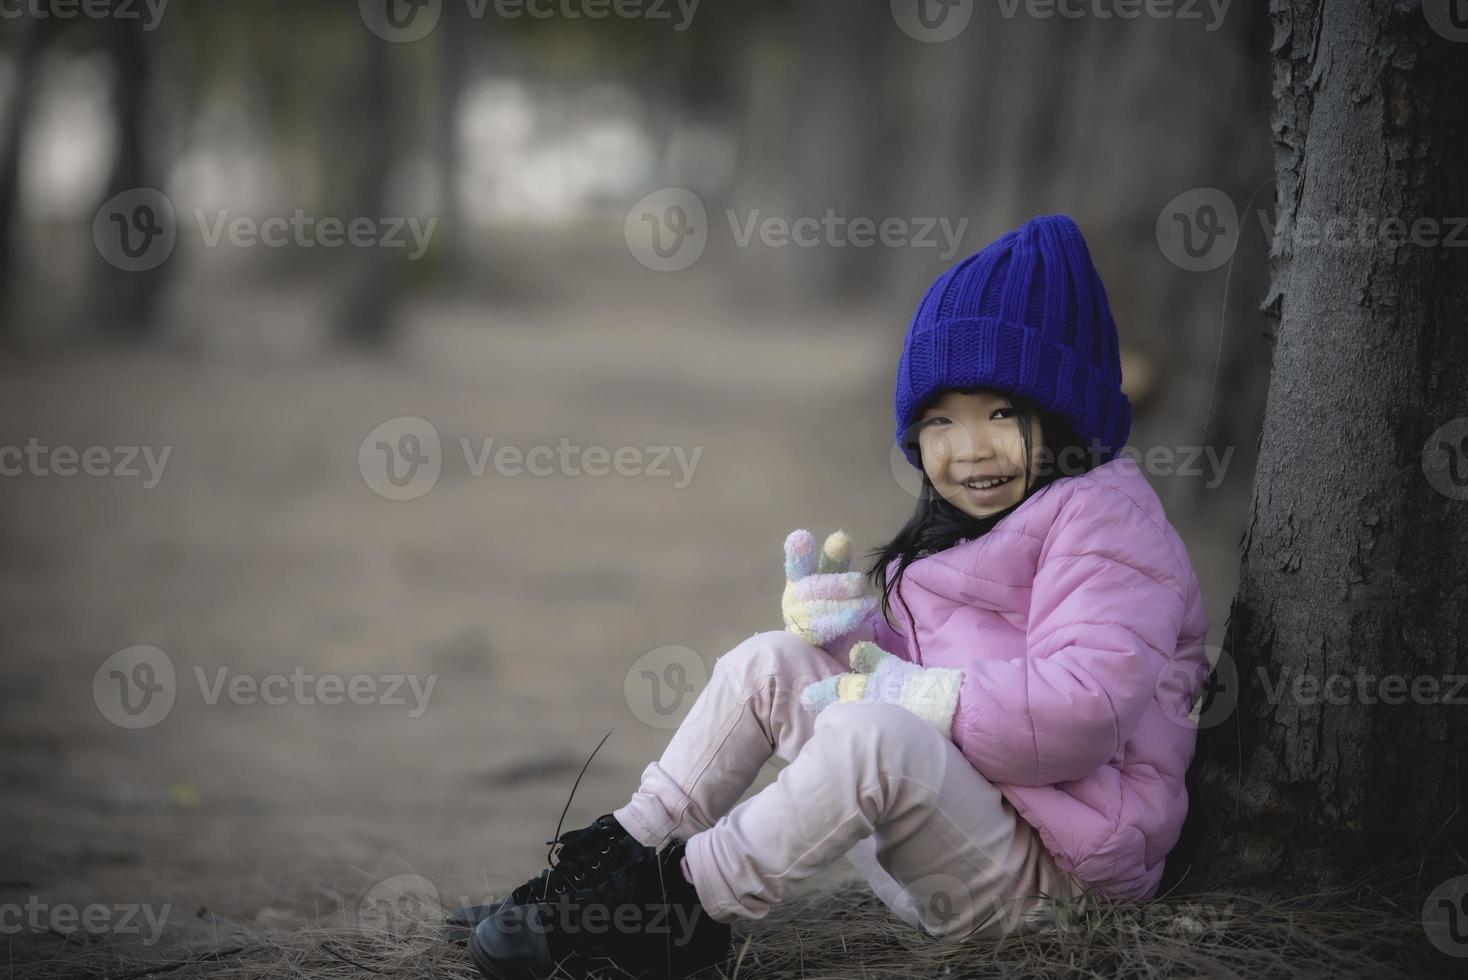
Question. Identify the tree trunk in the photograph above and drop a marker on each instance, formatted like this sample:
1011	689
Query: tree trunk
834	150
374	278
126	301
454	52
16	117
1355	559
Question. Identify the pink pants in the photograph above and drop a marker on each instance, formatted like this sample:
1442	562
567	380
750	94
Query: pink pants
937	842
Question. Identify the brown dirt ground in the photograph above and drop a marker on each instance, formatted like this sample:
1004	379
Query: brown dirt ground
262	549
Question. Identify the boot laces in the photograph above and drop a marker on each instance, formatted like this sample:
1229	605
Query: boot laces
572	855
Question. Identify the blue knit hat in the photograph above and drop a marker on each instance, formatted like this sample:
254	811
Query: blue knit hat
1026	315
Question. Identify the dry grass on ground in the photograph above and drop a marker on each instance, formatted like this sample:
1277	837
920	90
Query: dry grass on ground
848	933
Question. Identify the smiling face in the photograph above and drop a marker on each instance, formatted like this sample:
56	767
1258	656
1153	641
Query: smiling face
967	440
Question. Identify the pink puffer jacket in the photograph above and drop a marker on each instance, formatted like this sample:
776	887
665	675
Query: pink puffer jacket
1079	626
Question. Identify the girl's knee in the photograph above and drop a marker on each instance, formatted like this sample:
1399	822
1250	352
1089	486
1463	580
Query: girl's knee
878	721
778	652
886	736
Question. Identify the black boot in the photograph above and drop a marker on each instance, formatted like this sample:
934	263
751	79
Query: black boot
578	859
644	920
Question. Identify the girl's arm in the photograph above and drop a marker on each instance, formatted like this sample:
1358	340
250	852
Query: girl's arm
1105	613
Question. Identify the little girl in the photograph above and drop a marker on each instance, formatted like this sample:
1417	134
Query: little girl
1013	729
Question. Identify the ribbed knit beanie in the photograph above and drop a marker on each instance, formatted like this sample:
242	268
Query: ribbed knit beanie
1026	315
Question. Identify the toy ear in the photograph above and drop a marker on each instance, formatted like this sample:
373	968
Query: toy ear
800	555
866	655
836	555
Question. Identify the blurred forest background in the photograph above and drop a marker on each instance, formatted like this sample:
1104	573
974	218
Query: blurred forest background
528	319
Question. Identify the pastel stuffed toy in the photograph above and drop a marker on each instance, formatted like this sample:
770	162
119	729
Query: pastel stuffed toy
824	601
931	693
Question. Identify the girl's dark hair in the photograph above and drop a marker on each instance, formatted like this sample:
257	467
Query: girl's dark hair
937	525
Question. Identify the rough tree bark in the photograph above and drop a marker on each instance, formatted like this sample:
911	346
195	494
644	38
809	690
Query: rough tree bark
1355	559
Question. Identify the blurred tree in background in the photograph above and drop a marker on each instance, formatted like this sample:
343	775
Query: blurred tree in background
528	139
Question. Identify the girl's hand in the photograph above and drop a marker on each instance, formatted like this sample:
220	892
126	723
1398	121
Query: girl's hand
931	693
824	601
